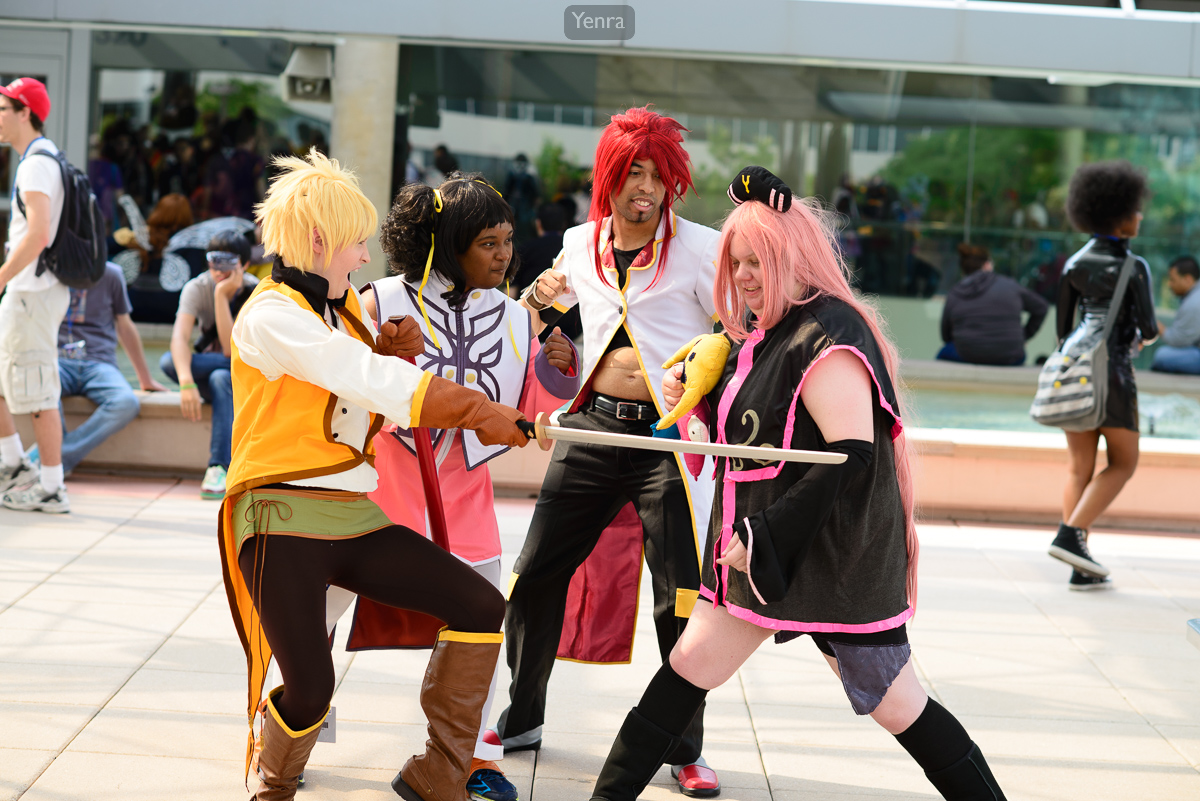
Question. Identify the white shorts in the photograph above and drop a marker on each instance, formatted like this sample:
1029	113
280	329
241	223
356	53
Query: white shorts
29	324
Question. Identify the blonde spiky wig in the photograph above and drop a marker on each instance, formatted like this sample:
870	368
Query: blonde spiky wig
313	192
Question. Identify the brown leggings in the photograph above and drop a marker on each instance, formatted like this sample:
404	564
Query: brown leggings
393	566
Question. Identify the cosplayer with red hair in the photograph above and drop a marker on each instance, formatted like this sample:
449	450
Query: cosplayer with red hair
642	278
638	134
827	550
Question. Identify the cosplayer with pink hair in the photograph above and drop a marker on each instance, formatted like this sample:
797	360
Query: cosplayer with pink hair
827	550
778	239
642	277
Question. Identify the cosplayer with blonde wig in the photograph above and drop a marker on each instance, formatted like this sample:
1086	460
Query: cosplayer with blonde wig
296	517
313	197
826	550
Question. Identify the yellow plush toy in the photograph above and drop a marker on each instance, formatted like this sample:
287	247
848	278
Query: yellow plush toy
703	362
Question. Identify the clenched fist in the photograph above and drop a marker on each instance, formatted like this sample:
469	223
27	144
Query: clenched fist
400	336
548	287
558	352
447	405
496	424
703	362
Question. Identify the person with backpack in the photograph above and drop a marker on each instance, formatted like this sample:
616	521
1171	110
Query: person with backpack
210	300
34	304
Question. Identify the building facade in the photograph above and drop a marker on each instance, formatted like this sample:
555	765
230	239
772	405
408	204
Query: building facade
924	123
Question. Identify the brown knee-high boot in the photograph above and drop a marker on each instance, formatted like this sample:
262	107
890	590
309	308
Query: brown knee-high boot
284	753
452	695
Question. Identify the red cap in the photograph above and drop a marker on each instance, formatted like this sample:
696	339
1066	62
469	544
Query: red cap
32	93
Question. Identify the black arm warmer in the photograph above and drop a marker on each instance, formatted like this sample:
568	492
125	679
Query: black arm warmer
550	316
783	532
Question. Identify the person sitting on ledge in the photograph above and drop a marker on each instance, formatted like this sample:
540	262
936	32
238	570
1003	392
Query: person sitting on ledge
1180	348
981	322
97	319
210	301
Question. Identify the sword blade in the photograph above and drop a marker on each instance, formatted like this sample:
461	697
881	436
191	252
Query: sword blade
681	446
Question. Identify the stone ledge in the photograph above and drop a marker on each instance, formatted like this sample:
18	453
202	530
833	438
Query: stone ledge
997	476
1042	446
924	374
160	441
154	404
1016	477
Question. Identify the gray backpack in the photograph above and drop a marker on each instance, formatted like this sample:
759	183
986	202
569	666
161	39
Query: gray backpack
1072	392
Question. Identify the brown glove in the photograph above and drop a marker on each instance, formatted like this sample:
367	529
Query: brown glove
400	336
447	405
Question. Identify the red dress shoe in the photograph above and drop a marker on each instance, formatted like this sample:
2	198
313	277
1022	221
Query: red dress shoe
697	780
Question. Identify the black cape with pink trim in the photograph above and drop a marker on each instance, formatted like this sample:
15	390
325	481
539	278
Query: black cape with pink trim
852	577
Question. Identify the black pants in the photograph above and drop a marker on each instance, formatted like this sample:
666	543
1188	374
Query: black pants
393	566
586	487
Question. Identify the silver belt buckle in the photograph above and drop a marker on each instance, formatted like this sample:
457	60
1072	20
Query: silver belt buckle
623	414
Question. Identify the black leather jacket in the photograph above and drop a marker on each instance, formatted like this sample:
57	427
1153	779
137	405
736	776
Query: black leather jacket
1088	281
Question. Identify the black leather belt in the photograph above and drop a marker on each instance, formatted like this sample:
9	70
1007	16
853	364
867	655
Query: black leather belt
624	409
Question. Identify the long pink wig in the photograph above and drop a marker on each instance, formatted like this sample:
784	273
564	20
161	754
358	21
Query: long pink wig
639	133
795	248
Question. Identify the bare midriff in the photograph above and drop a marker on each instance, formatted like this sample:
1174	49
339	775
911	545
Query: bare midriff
619	375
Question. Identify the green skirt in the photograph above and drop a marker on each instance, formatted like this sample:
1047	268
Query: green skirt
316	514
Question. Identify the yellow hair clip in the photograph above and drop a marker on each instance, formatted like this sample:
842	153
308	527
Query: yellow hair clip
437	207
489	186
421	289
511	336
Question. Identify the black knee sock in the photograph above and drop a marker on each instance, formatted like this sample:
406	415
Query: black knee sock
936	740
670	701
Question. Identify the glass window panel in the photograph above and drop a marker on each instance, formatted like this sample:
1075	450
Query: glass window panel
185	127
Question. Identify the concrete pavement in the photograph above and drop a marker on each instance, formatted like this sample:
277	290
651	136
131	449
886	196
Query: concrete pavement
121	676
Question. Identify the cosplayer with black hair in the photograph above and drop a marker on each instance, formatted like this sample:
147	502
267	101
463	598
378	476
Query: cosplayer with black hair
827	550
1105	200
450	251
642	278
453	214
312	381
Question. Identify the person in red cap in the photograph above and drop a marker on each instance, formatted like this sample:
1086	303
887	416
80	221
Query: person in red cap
32	308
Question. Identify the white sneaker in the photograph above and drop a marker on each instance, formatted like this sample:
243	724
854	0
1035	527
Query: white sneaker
212	488
36	499
20	476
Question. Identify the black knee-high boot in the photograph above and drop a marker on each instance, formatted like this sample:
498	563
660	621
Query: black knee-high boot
641	748
968	779
649	736
951	761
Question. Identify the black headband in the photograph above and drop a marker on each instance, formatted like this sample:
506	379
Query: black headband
759	183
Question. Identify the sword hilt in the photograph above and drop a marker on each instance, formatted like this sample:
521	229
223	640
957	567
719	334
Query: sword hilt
536	429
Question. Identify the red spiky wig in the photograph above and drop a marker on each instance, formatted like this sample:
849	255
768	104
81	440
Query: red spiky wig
639	133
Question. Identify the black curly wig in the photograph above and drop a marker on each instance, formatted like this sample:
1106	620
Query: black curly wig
1105	194
469	205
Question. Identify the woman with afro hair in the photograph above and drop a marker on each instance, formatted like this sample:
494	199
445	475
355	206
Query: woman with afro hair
450	254
1105	200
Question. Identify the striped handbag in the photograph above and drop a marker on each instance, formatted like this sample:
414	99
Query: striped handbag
1072	391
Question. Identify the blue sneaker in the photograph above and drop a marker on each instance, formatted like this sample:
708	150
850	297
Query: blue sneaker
489	784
